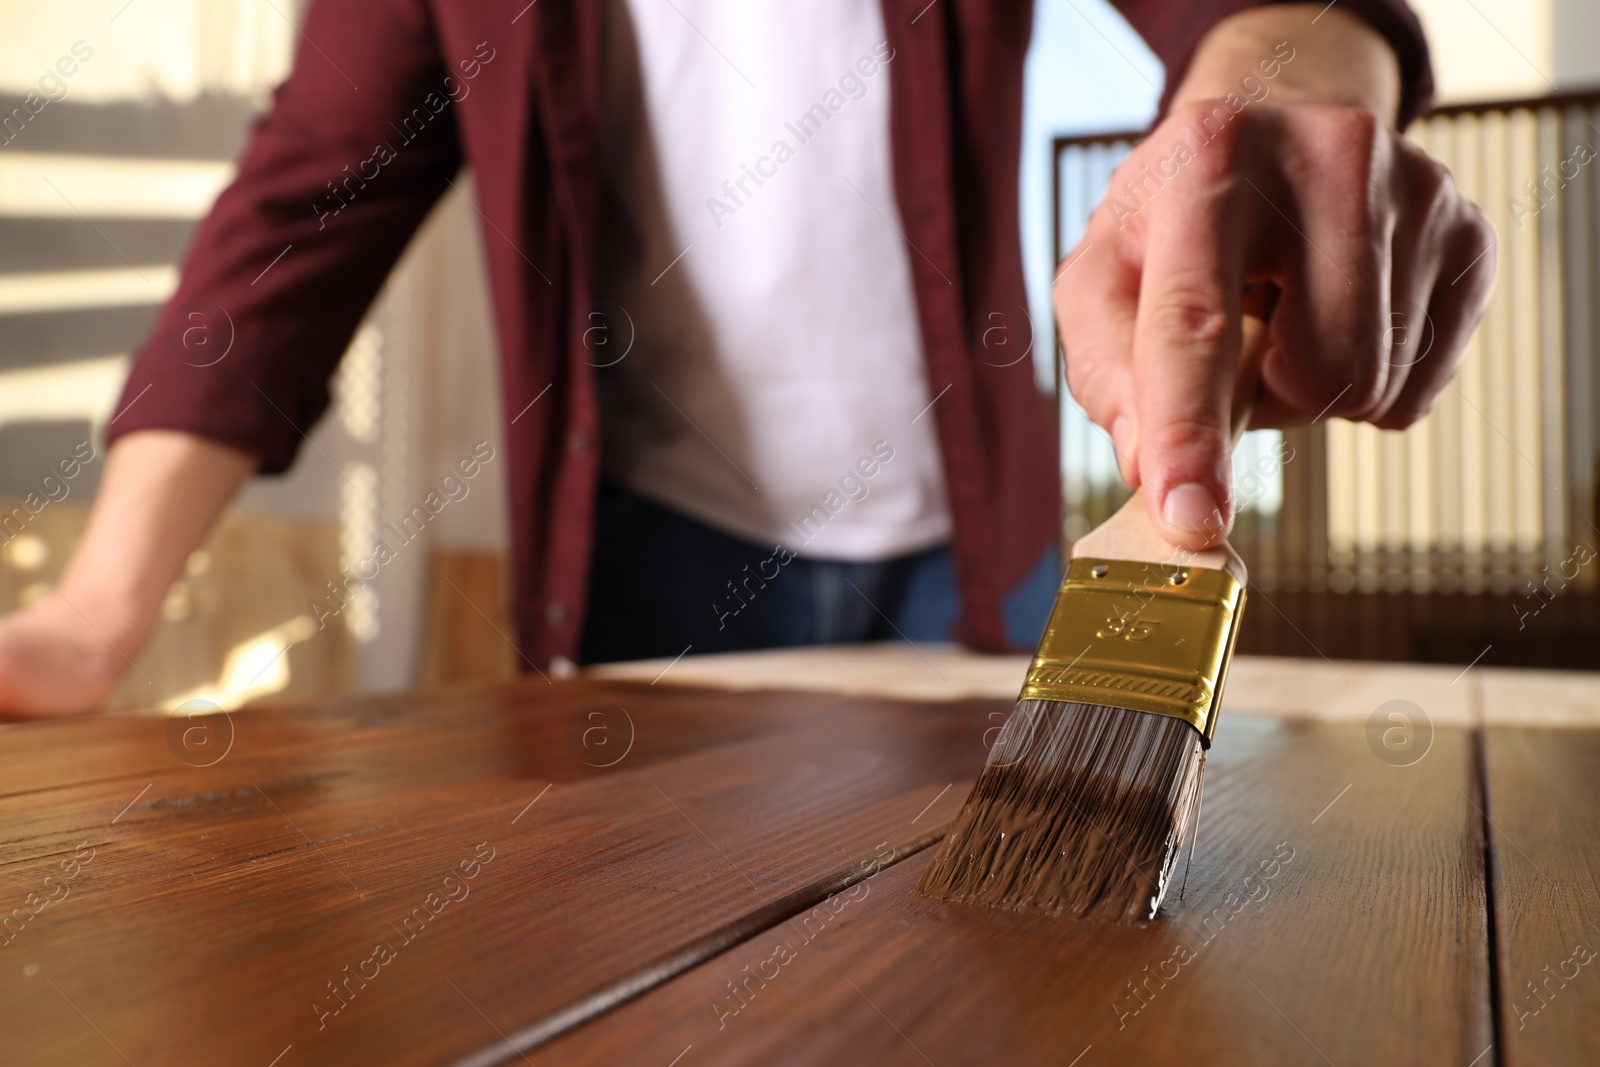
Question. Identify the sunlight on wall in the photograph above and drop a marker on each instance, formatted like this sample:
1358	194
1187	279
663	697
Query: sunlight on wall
1487	49
175	49
52	185
254	668
63	289
81	389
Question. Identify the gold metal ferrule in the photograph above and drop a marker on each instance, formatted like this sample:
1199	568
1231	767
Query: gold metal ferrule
1147	637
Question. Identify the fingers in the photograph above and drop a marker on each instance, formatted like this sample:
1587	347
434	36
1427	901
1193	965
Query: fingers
1431	214
1096	300
1436	246
1332	238
1185	353
1453	313
1461	284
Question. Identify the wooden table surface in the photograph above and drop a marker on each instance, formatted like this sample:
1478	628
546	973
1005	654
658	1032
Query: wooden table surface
709	861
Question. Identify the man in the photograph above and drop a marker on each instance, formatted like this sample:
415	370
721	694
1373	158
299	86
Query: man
806	443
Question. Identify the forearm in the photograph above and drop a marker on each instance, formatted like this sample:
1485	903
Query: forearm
161	493
1338	60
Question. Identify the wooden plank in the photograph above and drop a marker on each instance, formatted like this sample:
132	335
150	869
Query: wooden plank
224	914
1282	687
1544	805
1335	913
881	668
1540	698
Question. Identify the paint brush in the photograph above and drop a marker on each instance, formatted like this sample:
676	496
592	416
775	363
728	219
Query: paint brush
1093	786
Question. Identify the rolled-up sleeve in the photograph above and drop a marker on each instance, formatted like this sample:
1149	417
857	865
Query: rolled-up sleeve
360	141
1173	31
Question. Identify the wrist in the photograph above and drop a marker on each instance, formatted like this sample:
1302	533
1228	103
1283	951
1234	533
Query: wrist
1295	54
122	612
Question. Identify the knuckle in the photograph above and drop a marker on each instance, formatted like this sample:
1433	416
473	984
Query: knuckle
1355	133
1429	191
1088	383
1354	149
1432	193
1483	229
1472	252
1429	172
1226	130
1191	318
1437	184
1187	438
1481	238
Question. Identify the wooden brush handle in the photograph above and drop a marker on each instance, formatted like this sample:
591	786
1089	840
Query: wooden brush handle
1260	298
1130	533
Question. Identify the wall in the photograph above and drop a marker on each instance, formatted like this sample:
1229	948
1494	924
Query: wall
99	193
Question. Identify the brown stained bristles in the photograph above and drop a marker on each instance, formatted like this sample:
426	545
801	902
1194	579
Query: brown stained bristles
1081	810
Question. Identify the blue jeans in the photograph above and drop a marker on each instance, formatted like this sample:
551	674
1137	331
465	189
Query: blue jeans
661	581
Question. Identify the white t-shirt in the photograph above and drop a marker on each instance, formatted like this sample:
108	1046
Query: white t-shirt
752	270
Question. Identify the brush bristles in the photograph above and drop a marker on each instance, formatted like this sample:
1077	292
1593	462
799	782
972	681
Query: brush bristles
1081	810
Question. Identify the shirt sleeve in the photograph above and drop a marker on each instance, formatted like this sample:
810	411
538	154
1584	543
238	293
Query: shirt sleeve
1173	30
360	141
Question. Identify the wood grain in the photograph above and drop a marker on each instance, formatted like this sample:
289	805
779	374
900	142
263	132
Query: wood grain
206	910
157	912
1366	945
1544	806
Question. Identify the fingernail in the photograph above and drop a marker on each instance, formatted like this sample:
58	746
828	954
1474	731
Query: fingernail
1191	506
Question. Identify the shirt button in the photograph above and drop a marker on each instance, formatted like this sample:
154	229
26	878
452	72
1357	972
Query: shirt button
556	613
578	443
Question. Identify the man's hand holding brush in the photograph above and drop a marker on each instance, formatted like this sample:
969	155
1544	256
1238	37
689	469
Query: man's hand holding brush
1297	177
1277	164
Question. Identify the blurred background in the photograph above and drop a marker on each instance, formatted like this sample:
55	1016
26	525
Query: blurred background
1469	538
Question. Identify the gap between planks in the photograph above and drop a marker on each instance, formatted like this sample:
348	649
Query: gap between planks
708	947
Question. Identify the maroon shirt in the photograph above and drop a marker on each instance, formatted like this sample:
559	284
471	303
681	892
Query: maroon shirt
369	93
